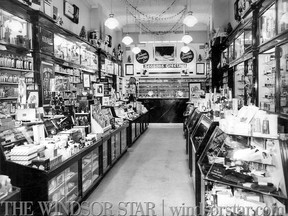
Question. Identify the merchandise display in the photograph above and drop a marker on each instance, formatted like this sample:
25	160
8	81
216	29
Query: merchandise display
72	102
240	166
5	186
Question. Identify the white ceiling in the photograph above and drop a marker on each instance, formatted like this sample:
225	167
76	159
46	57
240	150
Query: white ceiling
202	10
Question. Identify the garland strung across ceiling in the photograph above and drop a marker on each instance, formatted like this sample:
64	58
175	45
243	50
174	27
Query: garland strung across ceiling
152	18
142	17
173	29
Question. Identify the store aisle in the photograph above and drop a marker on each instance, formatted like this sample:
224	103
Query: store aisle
153	170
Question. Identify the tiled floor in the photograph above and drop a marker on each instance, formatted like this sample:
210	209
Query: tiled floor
153	174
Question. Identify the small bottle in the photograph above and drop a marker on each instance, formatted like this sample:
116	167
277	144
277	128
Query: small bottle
265	126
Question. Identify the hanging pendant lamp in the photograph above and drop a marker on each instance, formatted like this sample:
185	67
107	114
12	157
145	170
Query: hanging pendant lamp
111	22
136	50
185	49
190	20
127	40
187	39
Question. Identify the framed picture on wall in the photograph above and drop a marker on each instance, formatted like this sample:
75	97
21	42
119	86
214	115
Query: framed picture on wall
164	53
98	90
194	88
200	68
86	80
105	101
129	69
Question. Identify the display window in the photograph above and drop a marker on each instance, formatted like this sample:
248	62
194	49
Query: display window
239	46
14	30
282	16
231	52
267	23
283	54
267	72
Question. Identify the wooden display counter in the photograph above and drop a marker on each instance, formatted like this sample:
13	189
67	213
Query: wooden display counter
75	178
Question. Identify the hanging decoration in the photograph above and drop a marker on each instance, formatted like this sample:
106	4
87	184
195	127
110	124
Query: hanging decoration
149	17
173	29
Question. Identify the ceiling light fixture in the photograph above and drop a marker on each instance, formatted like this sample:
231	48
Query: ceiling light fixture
111	22
136	50
190	20
187	39
185	49
127	40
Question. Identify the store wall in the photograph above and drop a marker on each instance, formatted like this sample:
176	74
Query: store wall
84	15
231	14
220	14
197	49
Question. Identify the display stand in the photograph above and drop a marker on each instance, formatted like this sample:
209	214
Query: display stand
219	152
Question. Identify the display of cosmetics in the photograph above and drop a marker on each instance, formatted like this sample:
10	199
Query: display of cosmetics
8	92
7	108
19	62
81	121
9	78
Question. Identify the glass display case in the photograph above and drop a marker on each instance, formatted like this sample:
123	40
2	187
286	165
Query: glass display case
249	81
95	165
86	172
105	156
267	80
239	46
246	164
164	87
123	140
282	15
283	54
193	121
231	55
248	36
198	139
64	186
200	131
66	49
245	161
224	58
267	23
115	147
239	83
14	30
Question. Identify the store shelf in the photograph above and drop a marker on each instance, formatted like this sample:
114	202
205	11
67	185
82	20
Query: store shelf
63	73
8	83
71	177
11	143
15	69
72	190
9	98
52	191
279	195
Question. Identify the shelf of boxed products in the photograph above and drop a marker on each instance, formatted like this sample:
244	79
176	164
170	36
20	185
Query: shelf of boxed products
245	162
255	178
164	87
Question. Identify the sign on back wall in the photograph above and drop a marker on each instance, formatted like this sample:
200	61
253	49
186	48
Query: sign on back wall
175	63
